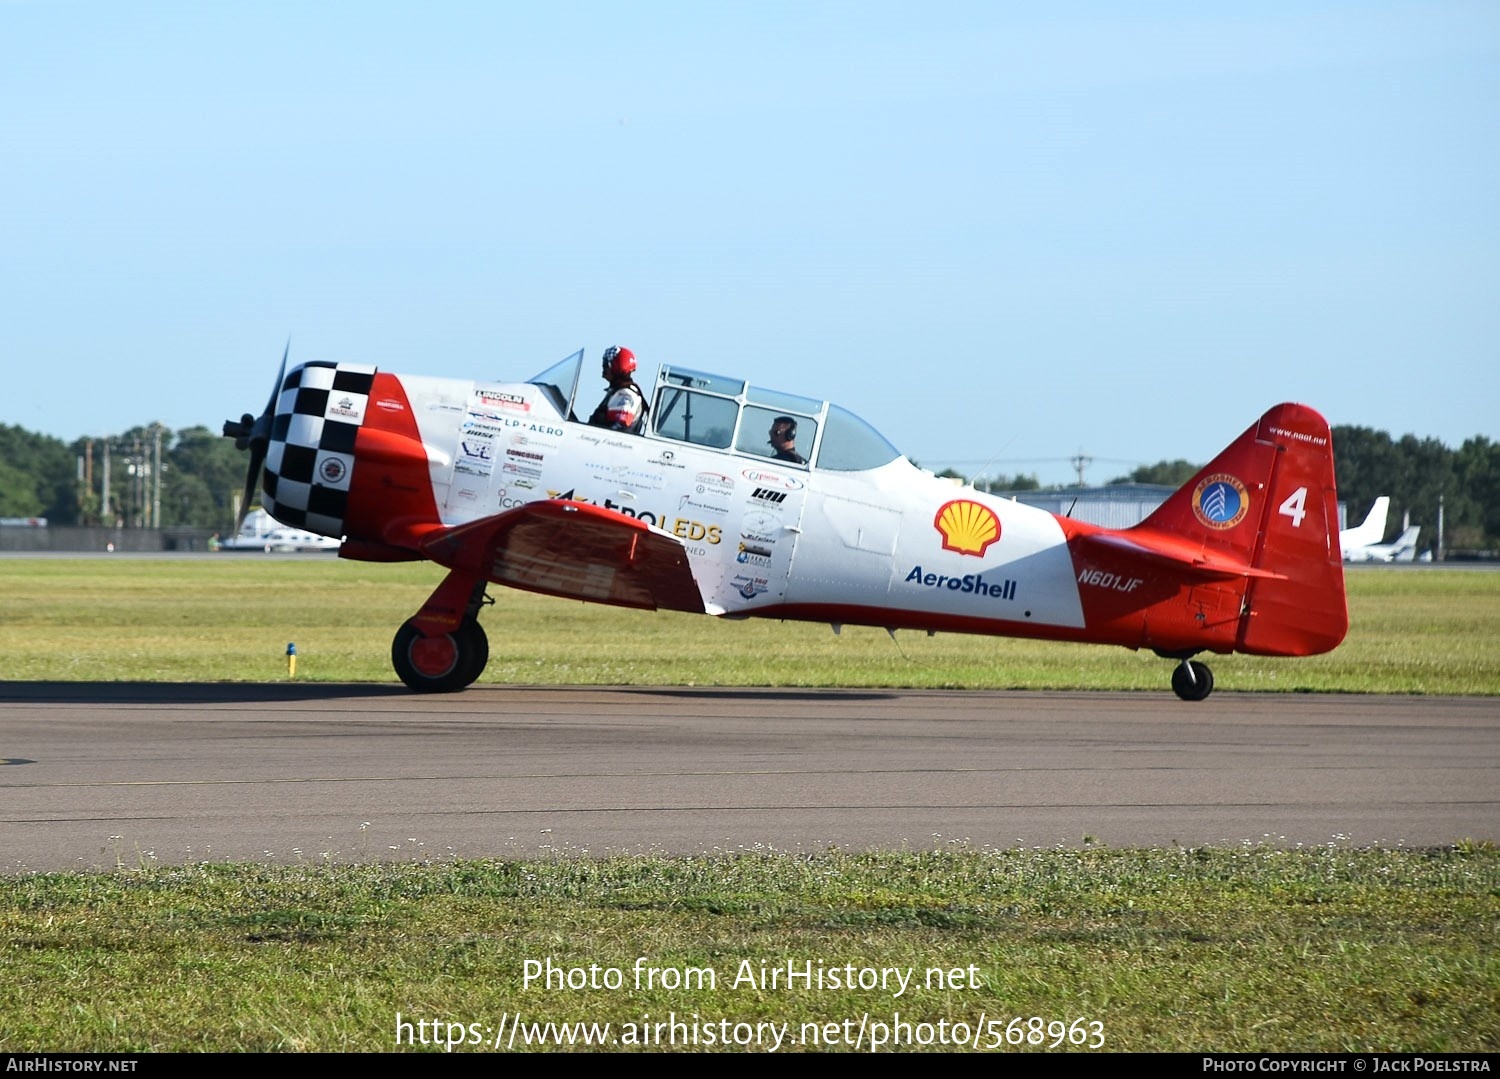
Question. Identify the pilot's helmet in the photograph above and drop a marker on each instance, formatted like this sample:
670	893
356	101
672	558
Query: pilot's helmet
618	362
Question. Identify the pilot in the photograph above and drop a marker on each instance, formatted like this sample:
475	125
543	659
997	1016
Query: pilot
624	405
784	440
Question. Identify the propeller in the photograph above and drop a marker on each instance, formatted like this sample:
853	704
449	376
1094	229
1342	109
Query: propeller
254	434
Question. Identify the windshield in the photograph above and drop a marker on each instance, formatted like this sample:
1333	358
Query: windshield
849	444
560	383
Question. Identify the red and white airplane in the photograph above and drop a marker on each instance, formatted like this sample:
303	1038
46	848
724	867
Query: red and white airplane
502	483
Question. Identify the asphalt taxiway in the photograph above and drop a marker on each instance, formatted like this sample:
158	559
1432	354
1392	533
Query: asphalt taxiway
99	775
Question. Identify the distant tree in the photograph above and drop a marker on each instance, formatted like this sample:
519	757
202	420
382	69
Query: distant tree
204	476
1476	468
1171	473
38	478
1002	482
18	495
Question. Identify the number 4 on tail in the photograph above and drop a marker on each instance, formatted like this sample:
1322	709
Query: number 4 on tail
1295	506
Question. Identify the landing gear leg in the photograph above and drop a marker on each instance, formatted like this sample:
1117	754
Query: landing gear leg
1192	681
432	659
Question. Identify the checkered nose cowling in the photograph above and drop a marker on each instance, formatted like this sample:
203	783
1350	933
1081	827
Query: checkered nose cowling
311	455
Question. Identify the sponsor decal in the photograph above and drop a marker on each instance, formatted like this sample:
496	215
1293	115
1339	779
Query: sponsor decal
682	527
501	399
512	468
345	406
610	472
468	494
760	526
525	455
476	457
970	584
772	479
713	481
390	404
1298	436
753	555
506	502
1098	578
967	527
750	587
685	502
766	494
333	469
1220	501
481	430
667	459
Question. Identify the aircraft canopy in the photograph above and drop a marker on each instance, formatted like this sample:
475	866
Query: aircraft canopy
727	413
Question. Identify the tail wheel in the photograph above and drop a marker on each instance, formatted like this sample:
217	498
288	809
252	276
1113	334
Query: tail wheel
440	663
1192	681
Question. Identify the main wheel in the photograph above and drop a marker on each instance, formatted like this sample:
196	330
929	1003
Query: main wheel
1191	680
441	663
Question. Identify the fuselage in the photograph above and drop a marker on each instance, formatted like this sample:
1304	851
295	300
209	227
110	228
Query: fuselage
858	535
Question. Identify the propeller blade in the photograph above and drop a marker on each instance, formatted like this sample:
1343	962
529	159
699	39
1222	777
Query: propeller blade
254	434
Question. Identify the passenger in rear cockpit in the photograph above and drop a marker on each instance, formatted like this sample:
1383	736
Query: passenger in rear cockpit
784	440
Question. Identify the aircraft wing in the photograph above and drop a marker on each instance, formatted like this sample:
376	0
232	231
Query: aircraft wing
1176	553
574	550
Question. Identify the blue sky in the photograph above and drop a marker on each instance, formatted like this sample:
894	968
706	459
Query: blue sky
1003	233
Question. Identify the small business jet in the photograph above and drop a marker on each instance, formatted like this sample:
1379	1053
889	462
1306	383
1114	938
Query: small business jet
1401	549
695	509
1367	533
259	531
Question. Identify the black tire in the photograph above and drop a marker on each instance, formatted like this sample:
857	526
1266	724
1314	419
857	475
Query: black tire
478	645
439	664
1192	685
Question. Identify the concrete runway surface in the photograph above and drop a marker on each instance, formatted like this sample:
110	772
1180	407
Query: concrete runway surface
96	775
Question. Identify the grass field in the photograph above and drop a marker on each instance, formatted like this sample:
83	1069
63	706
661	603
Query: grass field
231	618
1251	950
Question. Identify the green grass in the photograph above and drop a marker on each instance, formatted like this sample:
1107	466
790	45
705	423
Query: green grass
230	619
1252	950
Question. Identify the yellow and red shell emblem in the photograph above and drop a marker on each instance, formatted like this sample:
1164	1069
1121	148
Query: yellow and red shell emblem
966	527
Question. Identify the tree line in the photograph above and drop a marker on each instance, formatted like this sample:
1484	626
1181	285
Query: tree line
194	478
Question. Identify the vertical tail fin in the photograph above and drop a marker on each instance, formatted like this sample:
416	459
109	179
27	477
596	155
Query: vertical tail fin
1269	503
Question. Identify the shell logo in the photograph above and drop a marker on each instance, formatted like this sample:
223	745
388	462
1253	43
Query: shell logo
966	527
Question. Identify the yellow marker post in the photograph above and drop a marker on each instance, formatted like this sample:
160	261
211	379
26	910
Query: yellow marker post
291	660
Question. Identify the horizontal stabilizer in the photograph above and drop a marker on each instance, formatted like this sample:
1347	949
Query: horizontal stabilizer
1186	557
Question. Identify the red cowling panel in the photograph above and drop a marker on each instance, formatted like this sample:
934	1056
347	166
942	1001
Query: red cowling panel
574	550
391	484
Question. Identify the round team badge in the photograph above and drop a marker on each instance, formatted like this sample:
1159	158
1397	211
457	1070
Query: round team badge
332	470
1220	501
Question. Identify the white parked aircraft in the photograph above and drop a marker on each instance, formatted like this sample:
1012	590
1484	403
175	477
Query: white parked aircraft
1401	549
1367	533
262	532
